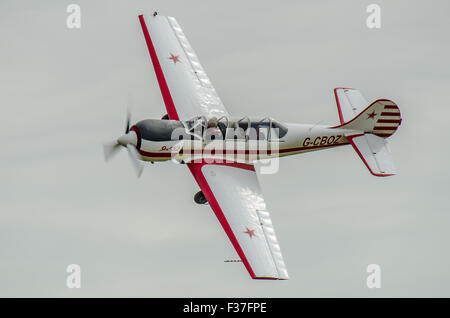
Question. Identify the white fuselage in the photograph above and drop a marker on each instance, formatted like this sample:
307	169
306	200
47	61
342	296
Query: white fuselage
299	138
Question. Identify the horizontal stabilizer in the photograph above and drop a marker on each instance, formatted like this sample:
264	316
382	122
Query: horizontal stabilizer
375	153
350	103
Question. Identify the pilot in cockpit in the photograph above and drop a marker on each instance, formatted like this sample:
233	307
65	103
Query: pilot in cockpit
213	131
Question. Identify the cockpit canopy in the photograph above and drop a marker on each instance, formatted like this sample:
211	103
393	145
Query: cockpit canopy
196	129
245	127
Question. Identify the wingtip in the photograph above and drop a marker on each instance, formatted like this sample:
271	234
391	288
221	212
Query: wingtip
270	278
154	14
382	174
336	88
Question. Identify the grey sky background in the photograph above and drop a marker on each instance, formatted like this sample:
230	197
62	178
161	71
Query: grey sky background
64	93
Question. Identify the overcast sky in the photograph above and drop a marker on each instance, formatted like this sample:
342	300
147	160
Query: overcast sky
63	93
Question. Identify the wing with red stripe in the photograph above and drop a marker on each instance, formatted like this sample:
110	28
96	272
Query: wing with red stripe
185	87
234	194
232	190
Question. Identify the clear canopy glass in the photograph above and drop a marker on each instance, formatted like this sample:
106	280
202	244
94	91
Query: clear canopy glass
243	128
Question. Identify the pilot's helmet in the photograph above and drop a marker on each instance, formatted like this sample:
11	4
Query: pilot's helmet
212	122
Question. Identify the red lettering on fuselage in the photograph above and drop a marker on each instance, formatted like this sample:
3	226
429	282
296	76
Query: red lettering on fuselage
322	141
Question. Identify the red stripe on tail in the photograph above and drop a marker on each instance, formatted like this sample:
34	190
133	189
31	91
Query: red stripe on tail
389	121
390	114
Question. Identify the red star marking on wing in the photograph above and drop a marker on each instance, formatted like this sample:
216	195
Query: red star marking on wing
371	115
174	58
250	232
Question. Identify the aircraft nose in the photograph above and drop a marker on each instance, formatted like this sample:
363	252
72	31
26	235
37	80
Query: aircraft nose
129	138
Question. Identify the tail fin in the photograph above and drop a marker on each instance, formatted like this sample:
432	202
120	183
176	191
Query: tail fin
375	122
381	118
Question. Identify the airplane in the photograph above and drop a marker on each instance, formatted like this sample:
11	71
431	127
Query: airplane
227	179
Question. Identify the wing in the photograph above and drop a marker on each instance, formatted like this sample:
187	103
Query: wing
234	194
185	87
232	190
350	103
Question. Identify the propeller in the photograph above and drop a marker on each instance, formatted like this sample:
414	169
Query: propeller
127	127
110	150
135	156
129	141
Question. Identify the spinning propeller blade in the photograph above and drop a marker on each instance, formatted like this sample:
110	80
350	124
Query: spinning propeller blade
110	150
134	156
127	128
130	104
129	140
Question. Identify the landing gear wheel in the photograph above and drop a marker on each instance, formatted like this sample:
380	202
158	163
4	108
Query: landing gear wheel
200	198
165	117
